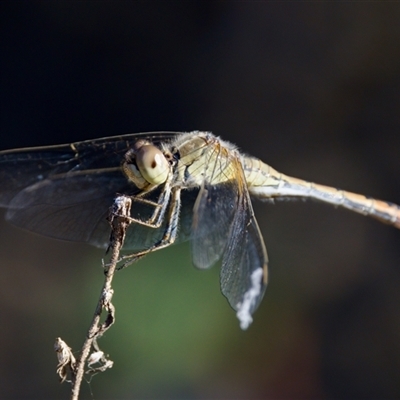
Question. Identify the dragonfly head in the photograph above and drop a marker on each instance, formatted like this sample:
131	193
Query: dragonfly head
146	164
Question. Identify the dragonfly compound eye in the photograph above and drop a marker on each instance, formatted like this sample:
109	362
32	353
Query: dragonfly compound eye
152	164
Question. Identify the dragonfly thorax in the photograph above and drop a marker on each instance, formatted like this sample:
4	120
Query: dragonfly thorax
146	165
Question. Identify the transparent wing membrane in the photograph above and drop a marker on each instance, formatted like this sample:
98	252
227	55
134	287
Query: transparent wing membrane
244	264
224	225
214	203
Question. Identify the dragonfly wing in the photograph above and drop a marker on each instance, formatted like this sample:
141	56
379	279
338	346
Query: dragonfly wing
66	191
244	263
224	225
73	208
212	217
21	168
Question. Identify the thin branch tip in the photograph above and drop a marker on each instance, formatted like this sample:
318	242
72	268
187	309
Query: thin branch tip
119	219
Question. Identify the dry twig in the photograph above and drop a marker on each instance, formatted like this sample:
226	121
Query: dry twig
119	221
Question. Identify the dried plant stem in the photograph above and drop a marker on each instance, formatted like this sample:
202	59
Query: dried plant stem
119	221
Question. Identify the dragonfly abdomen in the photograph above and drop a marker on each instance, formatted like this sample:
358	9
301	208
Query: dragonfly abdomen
264	182
381	210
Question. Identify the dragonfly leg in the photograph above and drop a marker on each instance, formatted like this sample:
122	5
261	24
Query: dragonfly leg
170	232
160	207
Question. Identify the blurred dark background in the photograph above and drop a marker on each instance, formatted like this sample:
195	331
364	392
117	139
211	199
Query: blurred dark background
311	88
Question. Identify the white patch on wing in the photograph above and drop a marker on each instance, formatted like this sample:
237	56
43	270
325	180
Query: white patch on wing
249	298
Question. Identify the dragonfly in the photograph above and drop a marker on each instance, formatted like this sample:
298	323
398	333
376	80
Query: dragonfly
183	186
